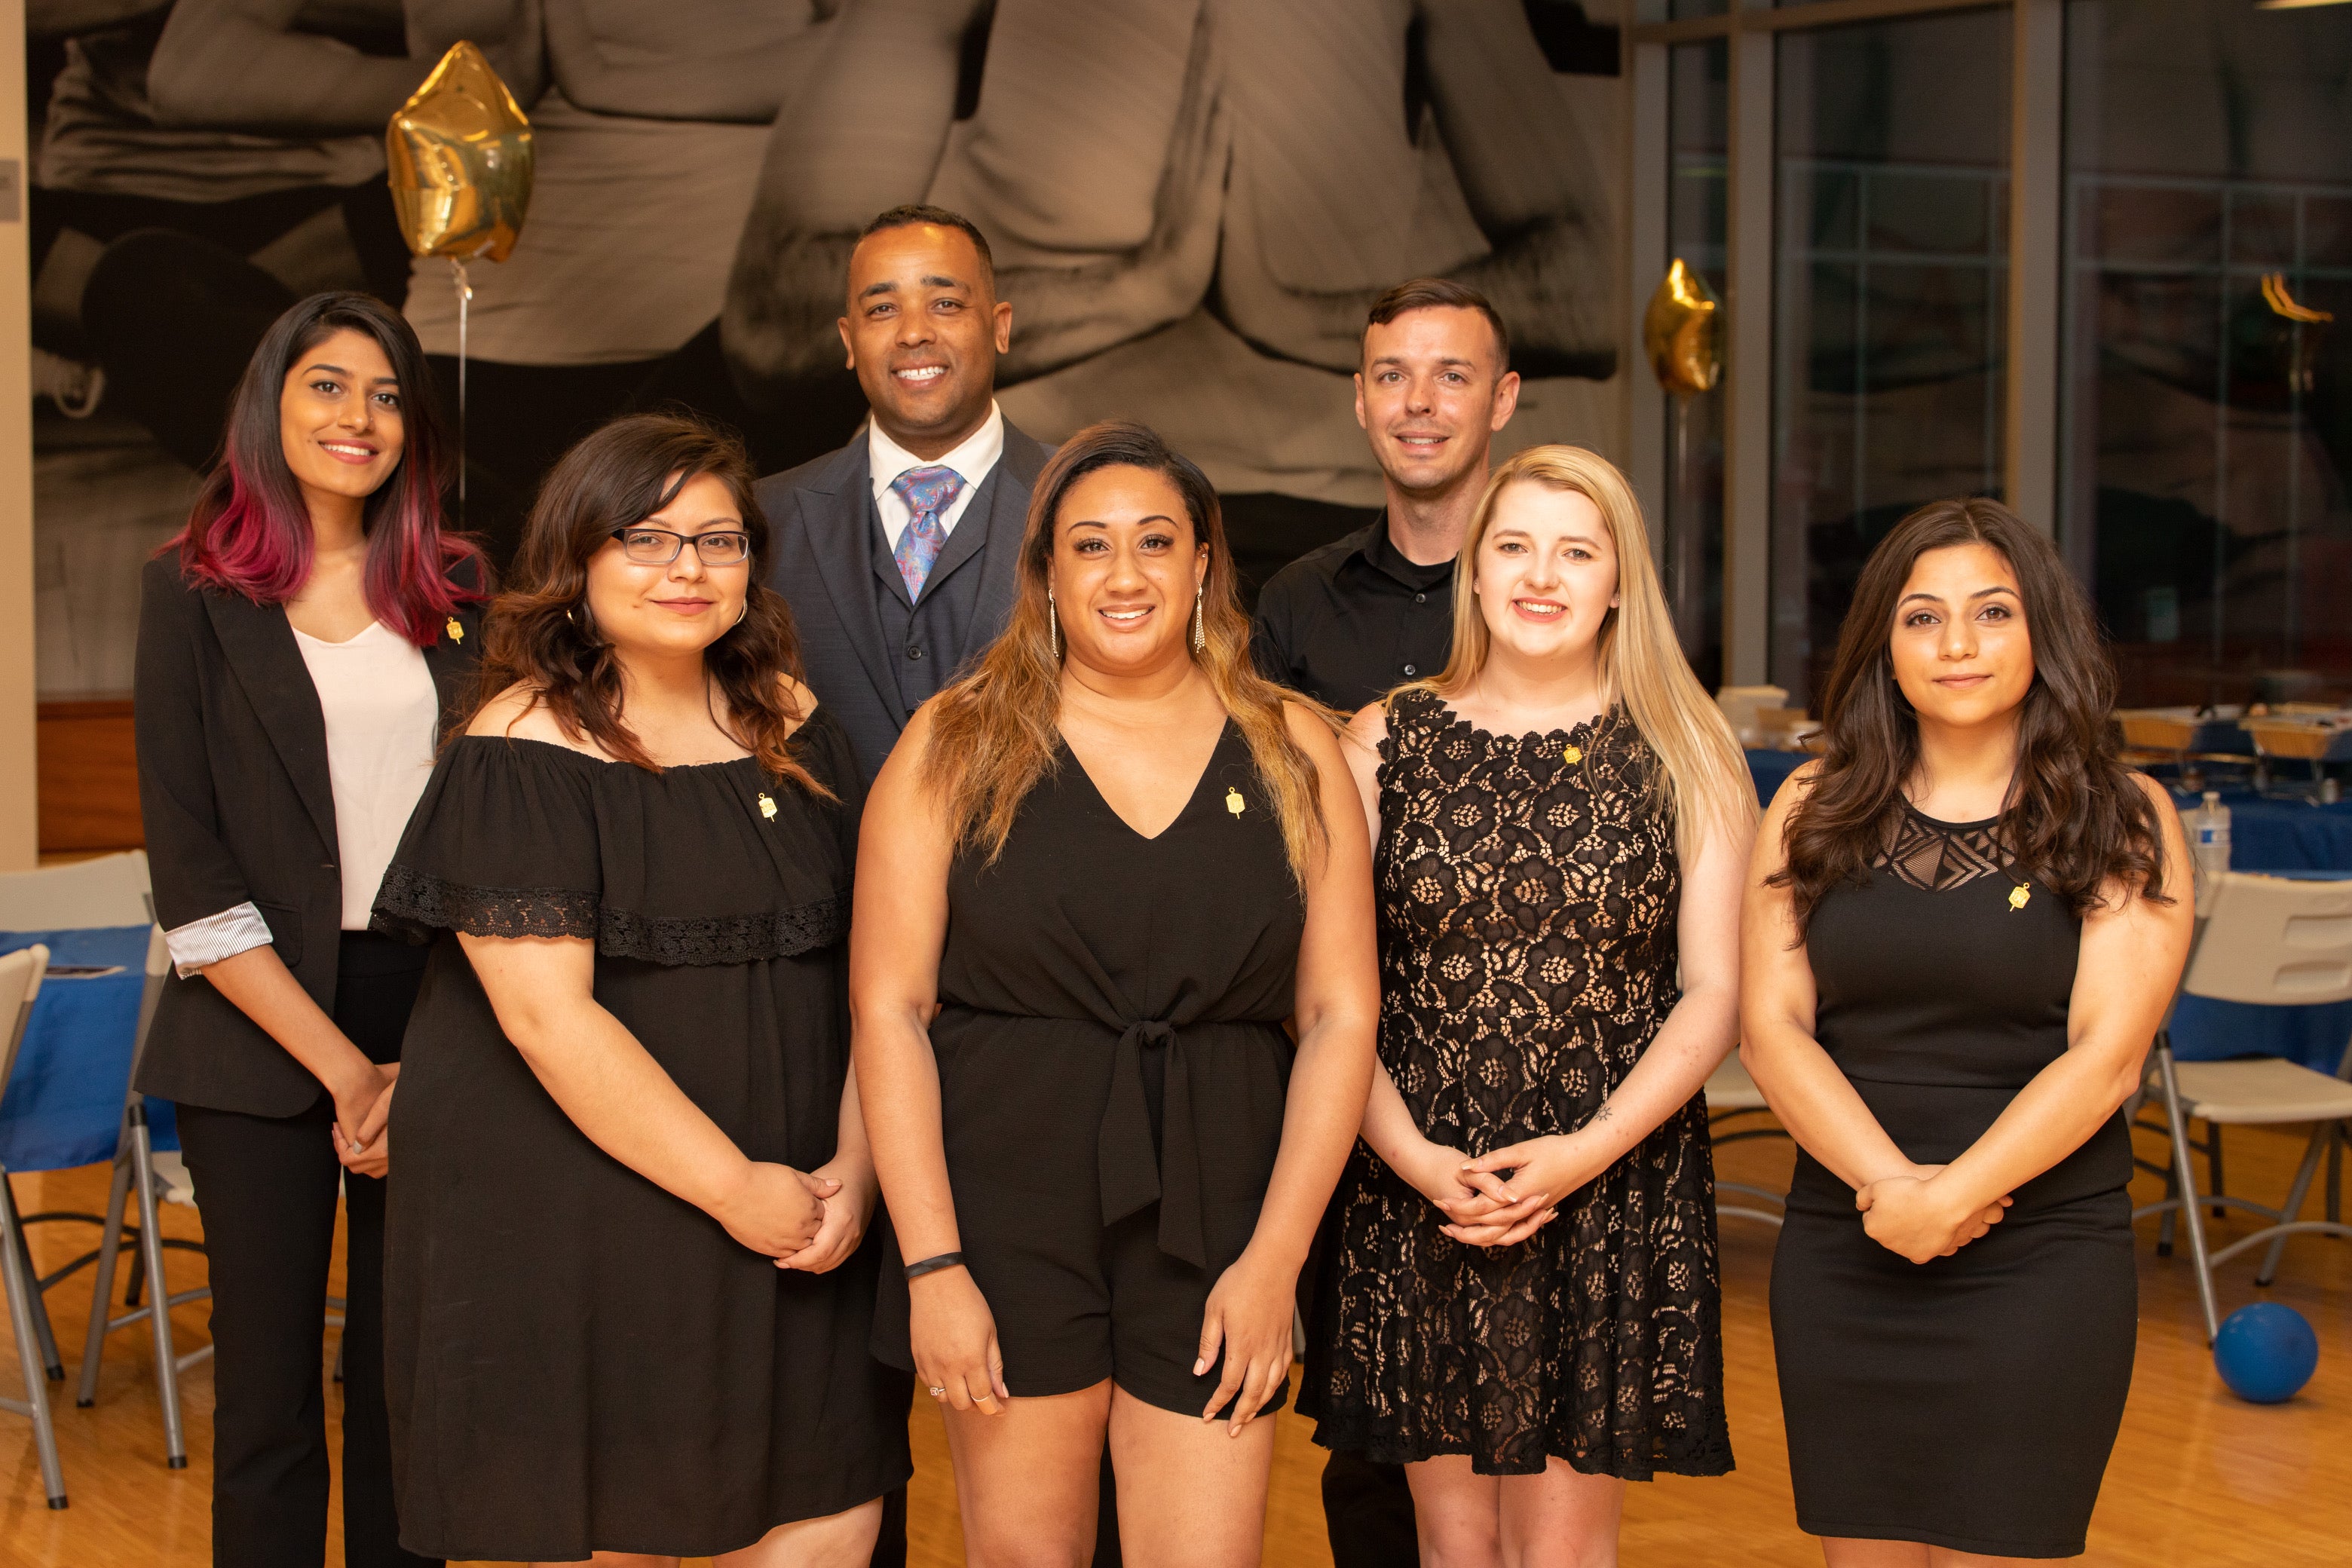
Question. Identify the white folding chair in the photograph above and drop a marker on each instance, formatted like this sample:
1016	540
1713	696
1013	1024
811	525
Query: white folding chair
107	890
2278	943
20	984
134	1174
1732	1094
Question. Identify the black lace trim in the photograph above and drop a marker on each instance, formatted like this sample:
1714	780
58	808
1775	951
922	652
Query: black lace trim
416	906
410	903
1935	856
735	938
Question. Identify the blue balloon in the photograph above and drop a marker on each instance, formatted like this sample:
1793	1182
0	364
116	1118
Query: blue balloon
2265	1352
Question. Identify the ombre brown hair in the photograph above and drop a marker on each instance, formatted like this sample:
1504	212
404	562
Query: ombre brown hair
1702	780
2074	820
537	635
997	733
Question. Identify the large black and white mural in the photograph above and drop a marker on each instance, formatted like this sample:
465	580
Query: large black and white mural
1190	203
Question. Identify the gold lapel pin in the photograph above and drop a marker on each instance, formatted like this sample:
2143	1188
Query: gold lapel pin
2018	895
1234	802
456	633
1571	753
767	806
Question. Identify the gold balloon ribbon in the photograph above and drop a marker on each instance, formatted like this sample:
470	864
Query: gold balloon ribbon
1682	332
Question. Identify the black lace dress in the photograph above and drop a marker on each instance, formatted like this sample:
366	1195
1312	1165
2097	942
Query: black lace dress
575	1358
1527	903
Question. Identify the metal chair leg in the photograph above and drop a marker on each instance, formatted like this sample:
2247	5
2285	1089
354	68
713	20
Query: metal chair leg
2291	1210
2336	1142
2191	1208
159	1291
22	1295
101	1286
43	1334
2214	1188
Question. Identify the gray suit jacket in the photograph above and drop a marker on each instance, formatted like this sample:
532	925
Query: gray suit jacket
827	540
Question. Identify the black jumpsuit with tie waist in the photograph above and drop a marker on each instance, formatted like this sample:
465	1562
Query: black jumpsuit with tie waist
1112	1068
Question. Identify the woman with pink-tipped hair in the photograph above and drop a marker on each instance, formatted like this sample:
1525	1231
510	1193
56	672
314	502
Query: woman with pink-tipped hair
301	644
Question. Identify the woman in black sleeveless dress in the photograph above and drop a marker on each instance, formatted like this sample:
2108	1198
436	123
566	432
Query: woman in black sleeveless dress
1117	863
1963	931
628	1308
1518	1297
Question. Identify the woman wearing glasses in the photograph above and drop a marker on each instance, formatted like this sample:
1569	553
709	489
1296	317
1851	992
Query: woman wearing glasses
628	1293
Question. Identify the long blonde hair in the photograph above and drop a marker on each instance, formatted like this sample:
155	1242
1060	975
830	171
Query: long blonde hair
997	733
1703	777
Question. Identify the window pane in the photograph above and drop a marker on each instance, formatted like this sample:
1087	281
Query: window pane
2206	435
1891	270
1698	85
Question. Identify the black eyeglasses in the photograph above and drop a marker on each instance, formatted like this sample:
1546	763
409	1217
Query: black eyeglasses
660	546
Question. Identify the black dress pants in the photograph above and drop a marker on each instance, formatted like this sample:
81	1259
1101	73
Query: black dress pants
266	1186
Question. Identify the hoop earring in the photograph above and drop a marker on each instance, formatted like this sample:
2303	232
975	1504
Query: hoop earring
1200	637
1053	626
741	613
581	622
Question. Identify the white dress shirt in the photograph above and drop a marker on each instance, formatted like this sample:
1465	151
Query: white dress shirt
974	459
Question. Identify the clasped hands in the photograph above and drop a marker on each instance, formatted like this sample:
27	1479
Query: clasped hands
807	1220
1911	1215
1483	1206
363	1105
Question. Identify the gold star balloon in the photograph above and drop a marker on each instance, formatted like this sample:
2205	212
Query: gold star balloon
1682	332
459	157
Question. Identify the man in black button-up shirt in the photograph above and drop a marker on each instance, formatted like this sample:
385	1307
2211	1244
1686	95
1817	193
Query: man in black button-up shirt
1375	609
1345	623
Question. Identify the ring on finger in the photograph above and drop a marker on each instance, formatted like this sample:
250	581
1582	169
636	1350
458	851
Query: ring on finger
939	1391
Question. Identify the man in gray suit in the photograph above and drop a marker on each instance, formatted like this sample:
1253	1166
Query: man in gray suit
896	552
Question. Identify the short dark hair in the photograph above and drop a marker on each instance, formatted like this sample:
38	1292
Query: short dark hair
1441	294
912	212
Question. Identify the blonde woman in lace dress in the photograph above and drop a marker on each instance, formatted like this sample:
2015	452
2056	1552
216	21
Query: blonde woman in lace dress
1519	1303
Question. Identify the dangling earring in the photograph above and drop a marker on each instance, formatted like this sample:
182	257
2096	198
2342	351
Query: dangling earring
1053	626
1200	637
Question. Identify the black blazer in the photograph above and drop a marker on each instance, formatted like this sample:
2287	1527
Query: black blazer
823	519
233	787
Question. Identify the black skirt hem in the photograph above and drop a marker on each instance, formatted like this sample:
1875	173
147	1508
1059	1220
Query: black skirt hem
1985	1545
569	1552
1381	1448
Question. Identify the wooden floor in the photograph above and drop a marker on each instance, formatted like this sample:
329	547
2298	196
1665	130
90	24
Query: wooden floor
2198	1477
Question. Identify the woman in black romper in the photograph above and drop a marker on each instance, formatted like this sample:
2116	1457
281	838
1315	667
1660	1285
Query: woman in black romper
1963	930
1099	877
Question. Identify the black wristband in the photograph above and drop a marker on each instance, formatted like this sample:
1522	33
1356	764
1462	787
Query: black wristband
932	1264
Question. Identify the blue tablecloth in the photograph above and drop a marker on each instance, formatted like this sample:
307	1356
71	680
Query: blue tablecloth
2265	836
64	1103
1771	769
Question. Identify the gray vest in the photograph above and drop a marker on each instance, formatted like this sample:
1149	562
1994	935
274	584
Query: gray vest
932	640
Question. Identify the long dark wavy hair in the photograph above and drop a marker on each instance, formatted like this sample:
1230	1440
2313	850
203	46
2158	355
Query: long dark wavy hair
249	531
538	634
996	733
2075	819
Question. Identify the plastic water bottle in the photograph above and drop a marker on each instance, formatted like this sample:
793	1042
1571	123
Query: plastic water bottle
2208	844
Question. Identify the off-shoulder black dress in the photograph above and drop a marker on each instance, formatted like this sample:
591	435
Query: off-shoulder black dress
577	1360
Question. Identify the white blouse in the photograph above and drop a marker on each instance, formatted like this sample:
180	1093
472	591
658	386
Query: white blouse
383	715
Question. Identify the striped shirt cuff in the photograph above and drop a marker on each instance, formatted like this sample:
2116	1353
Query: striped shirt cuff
199	944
